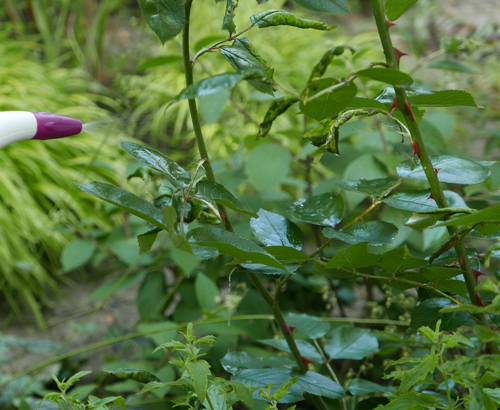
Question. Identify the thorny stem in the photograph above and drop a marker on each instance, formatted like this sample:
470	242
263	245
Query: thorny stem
437	190
319	403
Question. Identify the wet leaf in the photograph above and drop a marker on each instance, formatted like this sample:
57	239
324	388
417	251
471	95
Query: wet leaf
312	326
401	259
325	209
354	257
228	23
158	161
319	385
275	230
376	233
371	187
350	343
217	193
419	201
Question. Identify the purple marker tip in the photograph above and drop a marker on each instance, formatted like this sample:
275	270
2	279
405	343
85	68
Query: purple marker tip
51	126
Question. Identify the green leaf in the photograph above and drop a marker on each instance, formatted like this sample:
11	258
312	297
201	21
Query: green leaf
401	259
116	285
320	68
451	169
138	375
325	209
165	17
354	257
450	66
286	254
274	17
312	326
306	349
371	187
324	6
146	241
439	277
199	371
426	313
377	233
125	200
76	254
359	387
217	193
231	244
394	9
211	106
330	103
206	292
242	55
348	342
185	260
359	102
275	230
480	216
267	166
217	83
446	98
228	23
386	75
277	108
485	334
233	362
244	394
319	385
159	61
151	295
419	201
158	161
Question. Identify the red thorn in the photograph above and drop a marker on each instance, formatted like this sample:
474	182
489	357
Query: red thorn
223	214
390	24
416	150
394	105
480	301
306	361
288	329
478	273
408	107
436	170
487	350
431	196
399	54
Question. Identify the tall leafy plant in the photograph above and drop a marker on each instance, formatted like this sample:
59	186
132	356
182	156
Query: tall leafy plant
446	301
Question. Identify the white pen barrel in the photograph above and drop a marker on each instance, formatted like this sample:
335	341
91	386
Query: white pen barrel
16	126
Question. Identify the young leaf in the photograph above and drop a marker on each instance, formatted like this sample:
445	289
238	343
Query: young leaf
446	98
125	200
177	176
234	245
354	257
76	254
165	17
348	342
277	108
396	8
228	23
376	233
306	349
324	6
138	375
319	385
199	371
371	187
240	58
217	193
325	209
275	230
451	169
270	18
359	387
386	75
330	103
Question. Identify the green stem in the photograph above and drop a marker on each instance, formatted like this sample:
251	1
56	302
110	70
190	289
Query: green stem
320	404
437	190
